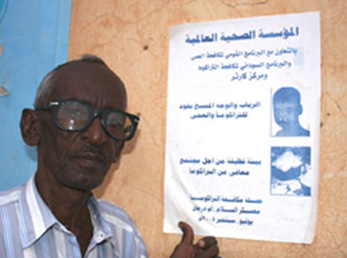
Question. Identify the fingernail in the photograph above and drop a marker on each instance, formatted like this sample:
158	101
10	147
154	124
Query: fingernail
201	243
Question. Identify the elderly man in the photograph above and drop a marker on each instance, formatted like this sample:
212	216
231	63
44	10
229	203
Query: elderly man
79	126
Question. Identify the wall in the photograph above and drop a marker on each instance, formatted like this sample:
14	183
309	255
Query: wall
132	37
28	50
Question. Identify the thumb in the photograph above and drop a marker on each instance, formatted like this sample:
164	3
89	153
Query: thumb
188	234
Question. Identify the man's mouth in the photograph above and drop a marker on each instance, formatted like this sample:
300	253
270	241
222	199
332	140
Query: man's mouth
92	156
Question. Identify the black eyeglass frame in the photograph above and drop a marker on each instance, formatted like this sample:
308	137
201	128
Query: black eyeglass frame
54	107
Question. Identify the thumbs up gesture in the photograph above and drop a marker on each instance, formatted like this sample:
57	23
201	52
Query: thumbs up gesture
206	247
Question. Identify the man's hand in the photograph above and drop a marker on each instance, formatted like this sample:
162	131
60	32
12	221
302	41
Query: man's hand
206	247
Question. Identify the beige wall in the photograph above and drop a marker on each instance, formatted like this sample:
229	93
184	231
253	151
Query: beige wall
132	37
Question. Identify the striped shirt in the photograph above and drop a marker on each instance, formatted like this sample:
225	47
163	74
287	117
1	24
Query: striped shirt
28	229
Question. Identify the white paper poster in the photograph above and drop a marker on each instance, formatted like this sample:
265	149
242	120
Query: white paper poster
242	150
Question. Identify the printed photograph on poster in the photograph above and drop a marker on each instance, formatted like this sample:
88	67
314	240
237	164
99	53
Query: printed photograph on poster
290	171
287	109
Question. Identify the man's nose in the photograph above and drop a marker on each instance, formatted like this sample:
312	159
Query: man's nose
95	133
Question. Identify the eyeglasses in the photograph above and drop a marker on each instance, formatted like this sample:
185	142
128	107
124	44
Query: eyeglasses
70	115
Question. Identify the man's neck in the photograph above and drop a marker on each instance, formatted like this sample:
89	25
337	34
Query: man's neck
69	206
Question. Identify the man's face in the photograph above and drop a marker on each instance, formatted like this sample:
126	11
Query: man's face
287	113
80	160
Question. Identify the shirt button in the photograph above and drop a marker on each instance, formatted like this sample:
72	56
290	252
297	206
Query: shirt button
99	237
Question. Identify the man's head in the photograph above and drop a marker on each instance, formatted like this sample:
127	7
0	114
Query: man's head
287	107
78	109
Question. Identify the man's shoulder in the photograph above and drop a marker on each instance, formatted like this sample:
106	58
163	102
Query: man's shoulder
10	196
116	215
122	226
107	207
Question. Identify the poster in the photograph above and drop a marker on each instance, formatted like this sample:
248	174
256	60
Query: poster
242	150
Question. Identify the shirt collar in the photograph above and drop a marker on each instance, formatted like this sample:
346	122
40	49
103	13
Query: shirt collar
35	216
102	230
101	227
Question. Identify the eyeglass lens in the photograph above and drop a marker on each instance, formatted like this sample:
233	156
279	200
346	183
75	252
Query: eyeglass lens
76	116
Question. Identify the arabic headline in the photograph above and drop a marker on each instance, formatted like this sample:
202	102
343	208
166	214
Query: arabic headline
252	34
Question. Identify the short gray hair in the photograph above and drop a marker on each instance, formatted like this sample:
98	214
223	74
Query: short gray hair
48	82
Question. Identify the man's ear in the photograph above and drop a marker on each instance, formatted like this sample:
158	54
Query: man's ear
29	126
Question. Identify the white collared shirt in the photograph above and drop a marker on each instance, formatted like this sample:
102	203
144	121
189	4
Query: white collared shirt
28	229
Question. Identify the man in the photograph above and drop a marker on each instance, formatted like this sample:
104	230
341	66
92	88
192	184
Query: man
287	109
79	126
